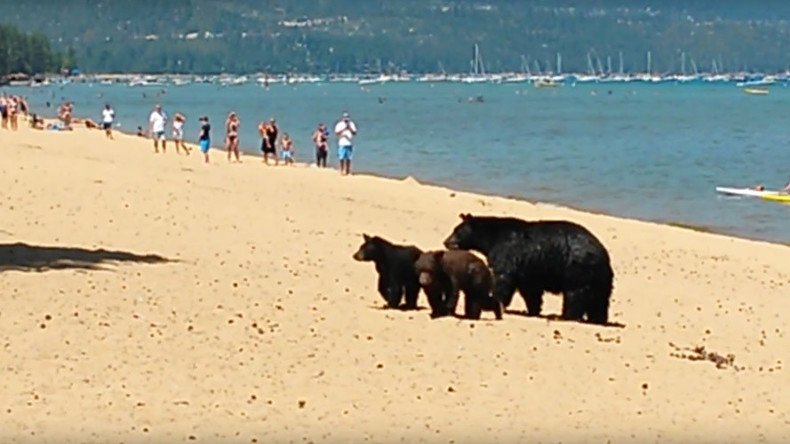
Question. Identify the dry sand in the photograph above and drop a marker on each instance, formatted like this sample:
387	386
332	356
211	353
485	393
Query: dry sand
259	327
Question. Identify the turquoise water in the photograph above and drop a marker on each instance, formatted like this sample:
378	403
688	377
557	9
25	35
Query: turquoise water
653	152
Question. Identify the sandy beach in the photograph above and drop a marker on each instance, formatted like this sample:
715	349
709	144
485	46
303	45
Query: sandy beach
152	298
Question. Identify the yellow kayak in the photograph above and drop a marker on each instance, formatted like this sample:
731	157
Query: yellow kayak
756	91
777	197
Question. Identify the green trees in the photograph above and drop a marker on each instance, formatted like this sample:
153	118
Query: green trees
205	36
26	53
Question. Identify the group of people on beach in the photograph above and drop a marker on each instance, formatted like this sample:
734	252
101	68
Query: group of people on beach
11	107
345	130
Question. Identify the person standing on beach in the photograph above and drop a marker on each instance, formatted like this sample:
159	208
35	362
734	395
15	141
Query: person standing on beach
13	113
273	130
266	146
345	130
320	137
178	132
232	136
65	111
4	111
204	138
156	123
107	118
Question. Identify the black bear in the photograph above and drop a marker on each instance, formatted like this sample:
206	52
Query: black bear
395	266
443	274
533	257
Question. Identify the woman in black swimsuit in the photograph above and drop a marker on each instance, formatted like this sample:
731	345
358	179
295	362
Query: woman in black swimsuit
232	136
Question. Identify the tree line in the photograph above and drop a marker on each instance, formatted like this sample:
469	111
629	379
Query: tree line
27	53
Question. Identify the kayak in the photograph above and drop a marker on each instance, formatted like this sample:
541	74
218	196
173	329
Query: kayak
777	197
747	192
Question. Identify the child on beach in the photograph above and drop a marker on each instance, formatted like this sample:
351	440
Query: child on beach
178	132
107	117
204	138
287	146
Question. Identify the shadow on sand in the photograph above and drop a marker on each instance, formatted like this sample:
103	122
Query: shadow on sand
558	318
23	257
401	307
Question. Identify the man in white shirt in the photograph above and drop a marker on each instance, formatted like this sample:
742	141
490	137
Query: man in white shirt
157	123
345	130
107	117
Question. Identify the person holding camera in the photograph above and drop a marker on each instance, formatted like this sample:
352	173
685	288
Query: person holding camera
345	130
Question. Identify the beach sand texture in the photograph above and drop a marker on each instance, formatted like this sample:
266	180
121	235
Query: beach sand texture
252	323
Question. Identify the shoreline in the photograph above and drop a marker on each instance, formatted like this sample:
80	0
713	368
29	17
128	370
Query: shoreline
674	223
151	297
703	229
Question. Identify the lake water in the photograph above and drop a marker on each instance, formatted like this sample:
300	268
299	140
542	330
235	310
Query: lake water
652	152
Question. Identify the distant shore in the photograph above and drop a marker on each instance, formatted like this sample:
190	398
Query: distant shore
545	79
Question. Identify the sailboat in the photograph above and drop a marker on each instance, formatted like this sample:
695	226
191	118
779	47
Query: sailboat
558	76
715	75
648	76
478	74
592	76
683	77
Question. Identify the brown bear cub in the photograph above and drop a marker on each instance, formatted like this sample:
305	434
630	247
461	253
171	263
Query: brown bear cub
443	274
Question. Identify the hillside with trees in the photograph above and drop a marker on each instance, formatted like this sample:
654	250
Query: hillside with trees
27	54
322	36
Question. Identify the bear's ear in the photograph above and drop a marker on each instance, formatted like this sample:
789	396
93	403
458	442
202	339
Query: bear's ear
366	237
466	216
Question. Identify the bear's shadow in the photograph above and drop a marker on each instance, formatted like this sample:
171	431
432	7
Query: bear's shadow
558	318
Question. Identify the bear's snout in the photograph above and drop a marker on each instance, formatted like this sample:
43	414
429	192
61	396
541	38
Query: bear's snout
450	243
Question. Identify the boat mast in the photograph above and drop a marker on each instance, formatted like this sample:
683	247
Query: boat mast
559	63
590	66
683	63
476	62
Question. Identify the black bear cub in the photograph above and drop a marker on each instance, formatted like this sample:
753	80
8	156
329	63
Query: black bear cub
443	274
395	266
534	257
